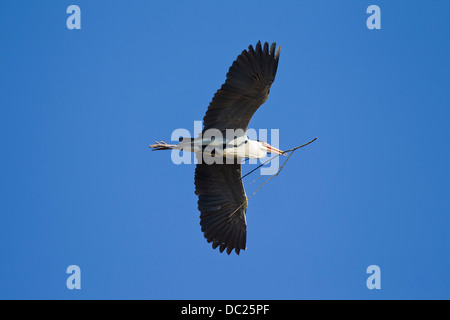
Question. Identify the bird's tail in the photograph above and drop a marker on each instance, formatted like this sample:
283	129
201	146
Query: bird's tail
161	145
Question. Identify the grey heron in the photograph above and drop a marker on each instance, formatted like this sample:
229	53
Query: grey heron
222	201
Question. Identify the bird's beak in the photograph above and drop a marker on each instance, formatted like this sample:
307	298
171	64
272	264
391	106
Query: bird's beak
275	150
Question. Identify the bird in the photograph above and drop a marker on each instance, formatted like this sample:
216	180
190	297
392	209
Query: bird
222	200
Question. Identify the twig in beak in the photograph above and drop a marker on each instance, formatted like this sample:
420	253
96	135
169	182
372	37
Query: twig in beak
284	153
274	175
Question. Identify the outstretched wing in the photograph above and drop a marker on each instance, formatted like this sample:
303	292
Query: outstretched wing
222	203
246	88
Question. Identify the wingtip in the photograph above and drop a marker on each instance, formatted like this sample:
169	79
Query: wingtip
258	48
277	53
222	247
265	48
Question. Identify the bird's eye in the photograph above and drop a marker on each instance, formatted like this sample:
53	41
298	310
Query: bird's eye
246	141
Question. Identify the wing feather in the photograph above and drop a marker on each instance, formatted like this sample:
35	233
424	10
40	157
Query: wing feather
222	203
246	88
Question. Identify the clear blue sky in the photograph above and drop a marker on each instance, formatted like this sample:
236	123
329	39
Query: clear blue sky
80	186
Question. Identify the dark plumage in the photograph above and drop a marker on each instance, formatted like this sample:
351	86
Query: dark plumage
222	221
222	199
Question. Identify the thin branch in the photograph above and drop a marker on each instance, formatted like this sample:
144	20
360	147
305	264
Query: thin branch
274	175
303	145
290	150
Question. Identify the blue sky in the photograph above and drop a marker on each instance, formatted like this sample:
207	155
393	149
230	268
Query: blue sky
80	186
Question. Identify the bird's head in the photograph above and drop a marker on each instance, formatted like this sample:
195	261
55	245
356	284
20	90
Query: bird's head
259	149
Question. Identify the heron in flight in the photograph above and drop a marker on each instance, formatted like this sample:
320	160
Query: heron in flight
222	201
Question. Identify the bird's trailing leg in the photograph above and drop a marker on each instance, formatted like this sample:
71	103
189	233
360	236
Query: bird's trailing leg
161	145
